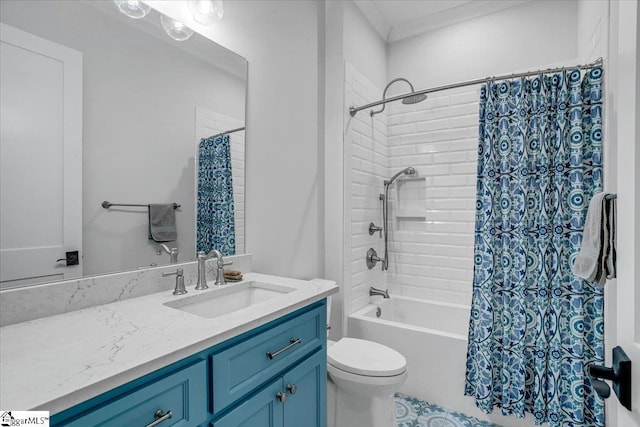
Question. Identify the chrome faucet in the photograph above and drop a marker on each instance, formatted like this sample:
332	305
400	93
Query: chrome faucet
374	291
202	271
173	252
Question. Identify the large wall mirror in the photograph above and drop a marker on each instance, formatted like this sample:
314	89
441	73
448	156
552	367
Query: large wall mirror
96	107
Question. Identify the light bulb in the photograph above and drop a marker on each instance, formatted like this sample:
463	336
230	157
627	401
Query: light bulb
133	8
175	29
206	12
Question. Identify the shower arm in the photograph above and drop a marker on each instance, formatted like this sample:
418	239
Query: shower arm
354	110
384	95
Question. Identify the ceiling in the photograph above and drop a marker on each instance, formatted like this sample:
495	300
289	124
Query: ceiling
398	19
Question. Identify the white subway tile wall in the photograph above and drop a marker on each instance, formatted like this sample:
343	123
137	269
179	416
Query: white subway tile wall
432	214
365	157
431	255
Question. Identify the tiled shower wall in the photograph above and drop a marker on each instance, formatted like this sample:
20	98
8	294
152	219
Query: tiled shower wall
431	215
365	168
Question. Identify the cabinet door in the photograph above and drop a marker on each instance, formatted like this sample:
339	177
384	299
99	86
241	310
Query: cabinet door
240	369
262	410
306	387
182	393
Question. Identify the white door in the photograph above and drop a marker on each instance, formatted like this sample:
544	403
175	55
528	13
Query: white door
40	158
628	177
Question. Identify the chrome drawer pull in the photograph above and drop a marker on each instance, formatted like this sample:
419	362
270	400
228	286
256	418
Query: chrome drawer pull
292	342
160	417
282	397
292	388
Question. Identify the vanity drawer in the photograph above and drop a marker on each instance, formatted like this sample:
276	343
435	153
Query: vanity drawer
183	393
243	367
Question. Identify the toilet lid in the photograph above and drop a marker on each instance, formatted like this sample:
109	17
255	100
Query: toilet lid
362	357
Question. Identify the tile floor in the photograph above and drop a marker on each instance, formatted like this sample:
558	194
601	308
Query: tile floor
412	412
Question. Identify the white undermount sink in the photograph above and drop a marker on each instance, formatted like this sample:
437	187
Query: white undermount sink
229	298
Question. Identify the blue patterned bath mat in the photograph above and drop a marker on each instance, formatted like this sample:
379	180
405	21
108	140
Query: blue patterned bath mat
412	412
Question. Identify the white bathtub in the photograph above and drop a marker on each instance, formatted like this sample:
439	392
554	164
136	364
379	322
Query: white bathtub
432	336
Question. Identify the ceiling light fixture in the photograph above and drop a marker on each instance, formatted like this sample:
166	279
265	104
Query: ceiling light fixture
133	8
206	12
175	29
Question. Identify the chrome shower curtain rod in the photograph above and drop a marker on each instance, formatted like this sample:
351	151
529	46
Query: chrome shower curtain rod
226	132
353	110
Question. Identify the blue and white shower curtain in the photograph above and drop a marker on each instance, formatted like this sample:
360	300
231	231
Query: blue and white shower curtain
535	327
215	216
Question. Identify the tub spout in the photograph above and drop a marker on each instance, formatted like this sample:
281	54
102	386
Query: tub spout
374	291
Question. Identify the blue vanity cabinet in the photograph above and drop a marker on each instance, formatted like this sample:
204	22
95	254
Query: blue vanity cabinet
177	400
297	399
241	368
262	410
271	376
306	387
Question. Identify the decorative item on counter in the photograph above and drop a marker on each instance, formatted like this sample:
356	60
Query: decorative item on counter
232	275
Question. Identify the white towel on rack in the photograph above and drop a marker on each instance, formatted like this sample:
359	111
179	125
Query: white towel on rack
595	260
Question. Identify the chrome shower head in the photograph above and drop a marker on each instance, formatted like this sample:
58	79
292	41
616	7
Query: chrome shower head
407	100
414	99
407	171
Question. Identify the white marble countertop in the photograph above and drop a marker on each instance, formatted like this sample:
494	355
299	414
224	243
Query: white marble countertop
56	362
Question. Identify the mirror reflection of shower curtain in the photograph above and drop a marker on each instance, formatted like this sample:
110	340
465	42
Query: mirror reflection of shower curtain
215	216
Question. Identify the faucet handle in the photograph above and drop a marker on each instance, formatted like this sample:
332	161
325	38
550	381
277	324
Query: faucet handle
220	279
373	228
180	288
373	258
178	273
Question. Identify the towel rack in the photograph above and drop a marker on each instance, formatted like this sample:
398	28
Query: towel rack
107	205
611	196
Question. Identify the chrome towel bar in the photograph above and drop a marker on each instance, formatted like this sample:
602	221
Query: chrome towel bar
107	205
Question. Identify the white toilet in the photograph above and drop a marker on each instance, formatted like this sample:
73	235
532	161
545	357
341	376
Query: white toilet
362	379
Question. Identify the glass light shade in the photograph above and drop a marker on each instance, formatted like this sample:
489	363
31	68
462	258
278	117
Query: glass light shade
176	29
133	8
206	12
